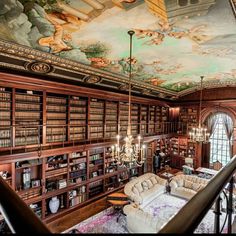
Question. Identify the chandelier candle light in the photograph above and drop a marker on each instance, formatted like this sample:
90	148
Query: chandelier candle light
199	134
129	154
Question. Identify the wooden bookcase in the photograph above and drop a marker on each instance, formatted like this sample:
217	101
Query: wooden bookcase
28	117
143	119
75	178
123	112
96	118
56	108
47	136
111	120
134	119
78	118
6	117
188	117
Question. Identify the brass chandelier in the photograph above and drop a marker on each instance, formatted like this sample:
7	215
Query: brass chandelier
199	134
129	154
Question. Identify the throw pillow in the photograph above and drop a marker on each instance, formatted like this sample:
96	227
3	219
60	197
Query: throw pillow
188	184
196	187
149	183
153	179
135	190
145	185
179	181
139	187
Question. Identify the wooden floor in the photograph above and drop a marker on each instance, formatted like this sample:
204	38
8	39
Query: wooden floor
77	216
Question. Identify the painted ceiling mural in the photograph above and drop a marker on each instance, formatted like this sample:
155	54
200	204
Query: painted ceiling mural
170	51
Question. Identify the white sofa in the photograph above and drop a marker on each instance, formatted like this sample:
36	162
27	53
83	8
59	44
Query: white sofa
145	188
141	191
186	186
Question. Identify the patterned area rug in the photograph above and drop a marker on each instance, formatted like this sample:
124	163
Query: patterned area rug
162	208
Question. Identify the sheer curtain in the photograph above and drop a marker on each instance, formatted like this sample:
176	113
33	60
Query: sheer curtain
229	129
211	123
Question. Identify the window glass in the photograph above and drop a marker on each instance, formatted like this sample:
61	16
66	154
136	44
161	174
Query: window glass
219	141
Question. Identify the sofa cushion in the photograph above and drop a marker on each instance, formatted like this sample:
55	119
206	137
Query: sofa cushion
150	194
153	179
135	190
149	183
180	182
139	187
145	185
183	192
188	184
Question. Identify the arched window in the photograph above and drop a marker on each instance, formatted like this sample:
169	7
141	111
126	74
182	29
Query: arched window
183	3
221	138
194	1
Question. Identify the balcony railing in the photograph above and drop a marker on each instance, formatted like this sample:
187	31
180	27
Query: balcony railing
26	136
190	216
17	215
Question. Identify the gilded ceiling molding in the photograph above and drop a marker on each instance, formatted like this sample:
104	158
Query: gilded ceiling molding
209	85
17	51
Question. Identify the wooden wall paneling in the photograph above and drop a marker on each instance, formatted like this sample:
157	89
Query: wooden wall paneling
43	208
43	181
13	174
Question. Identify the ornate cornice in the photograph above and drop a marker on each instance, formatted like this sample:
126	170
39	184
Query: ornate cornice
17	51
209	85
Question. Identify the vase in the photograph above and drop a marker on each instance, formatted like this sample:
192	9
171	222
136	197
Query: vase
54	204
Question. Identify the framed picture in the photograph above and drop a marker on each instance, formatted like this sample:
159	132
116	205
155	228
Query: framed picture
35	183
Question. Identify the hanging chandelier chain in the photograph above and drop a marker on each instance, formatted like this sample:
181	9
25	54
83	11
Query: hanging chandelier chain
200	104
129	153
199	134
130	32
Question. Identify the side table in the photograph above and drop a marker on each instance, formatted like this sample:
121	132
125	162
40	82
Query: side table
118	201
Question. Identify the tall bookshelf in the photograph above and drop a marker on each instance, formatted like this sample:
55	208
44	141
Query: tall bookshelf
134	119
96	118
143	119
77	167
124	112
78	118
158	120
6	117
188	116
151	126
111	119
28	117
56	107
